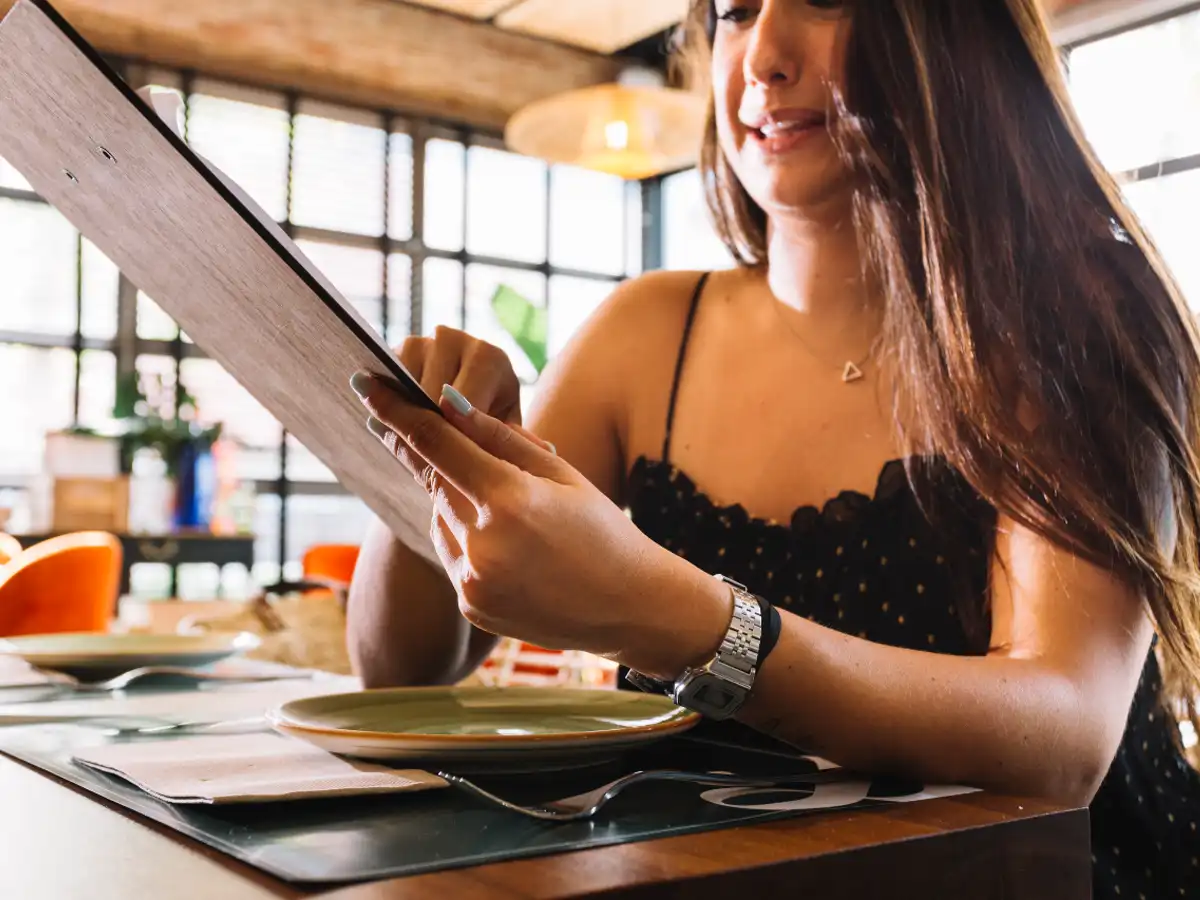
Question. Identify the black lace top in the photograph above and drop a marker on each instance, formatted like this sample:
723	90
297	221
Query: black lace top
895	571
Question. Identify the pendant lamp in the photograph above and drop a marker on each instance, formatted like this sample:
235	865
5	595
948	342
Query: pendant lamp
635	128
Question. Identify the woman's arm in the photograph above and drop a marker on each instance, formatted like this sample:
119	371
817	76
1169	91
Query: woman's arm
1041	715
403	626
403	622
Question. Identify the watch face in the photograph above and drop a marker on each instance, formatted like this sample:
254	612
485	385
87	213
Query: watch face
709	695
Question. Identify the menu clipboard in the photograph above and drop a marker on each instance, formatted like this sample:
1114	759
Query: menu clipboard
185	235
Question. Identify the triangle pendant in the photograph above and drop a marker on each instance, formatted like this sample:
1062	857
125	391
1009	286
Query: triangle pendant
851	373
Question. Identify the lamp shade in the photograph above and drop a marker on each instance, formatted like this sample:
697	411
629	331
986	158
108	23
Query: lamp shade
630	130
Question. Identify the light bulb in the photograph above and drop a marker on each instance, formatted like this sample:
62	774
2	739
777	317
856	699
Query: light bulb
616	135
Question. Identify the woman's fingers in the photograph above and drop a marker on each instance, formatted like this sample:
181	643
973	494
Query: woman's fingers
515	445
530	436
443	363
487	380
462	462
455	510
447	548
412	355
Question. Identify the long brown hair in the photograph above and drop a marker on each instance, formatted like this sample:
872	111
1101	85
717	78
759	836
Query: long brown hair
1040	345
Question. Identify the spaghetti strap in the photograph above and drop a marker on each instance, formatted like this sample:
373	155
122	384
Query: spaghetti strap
687	331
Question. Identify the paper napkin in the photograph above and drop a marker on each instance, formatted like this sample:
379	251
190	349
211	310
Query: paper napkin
253	768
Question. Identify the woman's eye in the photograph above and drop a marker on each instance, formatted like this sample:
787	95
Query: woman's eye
735	14
742	14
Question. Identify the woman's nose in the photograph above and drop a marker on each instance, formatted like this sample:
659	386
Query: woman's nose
772	56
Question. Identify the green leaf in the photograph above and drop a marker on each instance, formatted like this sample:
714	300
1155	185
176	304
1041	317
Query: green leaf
128	395
527	322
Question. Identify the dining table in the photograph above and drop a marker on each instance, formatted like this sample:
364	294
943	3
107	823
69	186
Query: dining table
64	837
61	843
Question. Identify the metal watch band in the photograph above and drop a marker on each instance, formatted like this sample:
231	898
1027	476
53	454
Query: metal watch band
737	658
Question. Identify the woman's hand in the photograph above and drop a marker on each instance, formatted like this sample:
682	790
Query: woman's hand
479	371
536	552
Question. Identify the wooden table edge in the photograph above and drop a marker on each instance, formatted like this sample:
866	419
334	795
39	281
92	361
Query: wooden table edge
591	870
638	865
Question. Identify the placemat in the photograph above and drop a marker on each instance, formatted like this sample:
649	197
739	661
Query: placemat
341	840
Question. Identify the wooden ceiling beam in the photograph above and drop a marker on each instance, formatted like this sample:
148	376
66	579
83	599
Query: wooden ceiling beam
377	53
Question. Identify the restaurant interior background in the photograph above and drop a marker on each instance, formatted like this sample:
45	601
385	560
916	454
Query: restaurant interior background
417	219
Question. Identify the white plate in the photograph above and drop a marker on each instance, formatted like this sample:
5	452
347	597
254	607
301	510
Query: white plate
97	656
511	729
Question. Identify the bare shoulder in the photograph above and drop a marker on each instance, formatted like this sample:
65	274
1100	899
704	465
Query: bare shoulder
634	325
643	308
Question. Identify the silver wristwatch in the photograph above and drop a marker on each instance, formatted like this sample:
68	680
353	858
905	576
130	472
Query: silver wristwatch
718	689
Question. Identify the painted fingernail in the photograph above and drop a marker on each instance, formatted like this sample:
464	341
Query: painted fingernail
378	429
460	403
361	383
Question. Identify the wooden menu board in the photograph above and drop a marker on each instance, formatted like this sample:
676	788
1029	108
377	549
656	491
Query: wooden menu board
188	238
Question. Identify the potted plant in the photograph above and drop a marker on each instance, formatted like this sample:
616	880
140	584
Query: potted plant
146	421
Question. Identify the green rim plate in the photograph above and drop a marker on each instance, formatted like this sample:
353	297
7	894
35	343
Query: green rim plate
478	722
92	652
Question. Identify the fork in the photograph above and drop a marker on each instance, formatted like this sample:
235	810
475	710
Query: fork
230	726
125	679
586	805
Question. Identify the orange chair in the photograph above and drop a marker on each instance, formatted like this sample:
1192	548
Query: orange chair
10	548
68	583
330	562
326	567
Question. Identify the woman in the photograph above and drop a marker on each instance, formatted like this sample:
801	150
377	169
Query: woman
946	320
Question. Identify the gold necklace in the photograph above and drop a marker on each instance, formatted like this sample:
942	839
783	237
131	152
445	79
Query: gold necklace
851	371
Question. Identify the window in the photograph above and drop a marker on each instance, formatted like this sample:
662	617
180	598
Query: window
97	387
1138	96
399	298
28	414
506	205
11	178
268	513
1169	208
101	282
689	240
445	189
1138	93
38	251
337	170
153	324
400	186
588	212
634	232
442	295
243	133
572	302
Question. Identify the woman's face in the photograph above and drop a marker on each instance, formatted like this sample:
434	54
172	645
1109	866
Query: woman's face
775	65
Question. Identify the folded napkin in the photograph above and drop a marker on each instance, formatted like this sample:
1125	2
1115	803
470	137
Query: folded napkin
251	768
